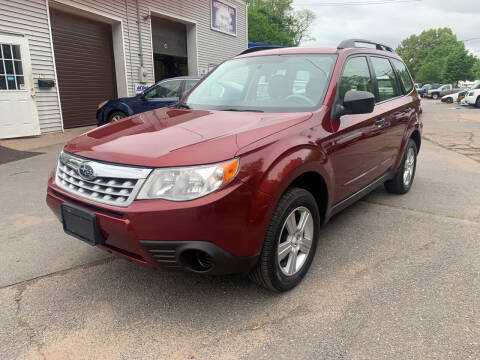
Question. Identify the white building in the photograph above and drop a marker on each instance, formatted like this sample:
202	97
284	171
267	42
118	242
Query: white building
60	58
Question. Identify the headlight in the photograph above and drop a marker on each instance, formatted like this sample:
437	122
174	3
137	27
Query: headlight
189	182
102	104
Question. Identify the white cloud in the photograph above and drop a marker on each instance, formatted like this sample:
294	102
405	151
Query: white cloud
390	23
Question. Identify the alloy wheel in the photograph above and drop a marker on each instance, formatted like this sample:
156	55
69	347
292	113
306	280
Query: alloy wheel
295	241
409	167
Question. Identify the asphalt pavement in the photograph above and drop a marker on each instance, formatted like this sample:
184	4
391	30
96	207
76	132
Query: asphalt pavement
394	277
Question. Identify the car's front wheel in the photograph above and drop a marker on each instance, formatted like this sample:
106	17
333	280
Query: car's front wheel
290	242
403	180
477	103
116	115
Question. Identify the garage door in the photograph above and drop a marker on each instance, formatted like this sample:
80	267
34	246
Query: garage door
85	66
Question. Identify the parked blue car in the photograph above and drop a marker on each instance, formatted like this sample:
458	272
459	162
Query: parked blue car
163	93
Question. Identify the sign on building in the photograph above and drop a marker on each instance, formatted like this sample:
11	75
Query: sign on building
224	18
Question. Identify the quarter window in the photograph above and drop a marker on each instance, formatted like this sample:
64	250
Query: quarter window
11	69
355	76
167	89
404	76
386	80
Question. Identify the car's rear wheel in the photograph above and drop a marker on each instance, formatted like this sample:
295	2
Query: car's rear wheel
477	103
449	100
116	115
434	96
403	180
290	242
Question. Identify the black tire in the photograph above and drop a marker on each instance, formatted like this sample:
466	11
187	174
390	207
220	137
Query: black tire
398	185
268	271
434	96
115	116
477	102
449	100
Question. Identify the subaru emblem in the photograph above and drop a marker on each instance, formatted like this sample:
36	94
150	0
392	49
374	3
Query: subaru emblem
86	171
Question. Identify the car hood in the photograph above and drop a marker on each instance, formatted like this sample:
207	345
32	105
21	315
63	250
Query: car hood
175	137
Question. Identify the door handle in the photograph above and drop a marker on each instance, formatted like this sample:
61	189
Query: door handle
380	122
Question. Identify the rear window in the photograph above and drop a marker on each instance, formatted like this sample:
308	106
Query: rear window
386	80
404	76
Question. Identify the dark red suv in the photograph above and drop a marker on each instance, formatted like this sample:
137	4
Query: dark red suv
243	172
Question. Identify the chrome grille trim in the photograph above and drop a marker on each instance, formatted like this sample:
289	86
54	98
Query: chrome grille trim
116	185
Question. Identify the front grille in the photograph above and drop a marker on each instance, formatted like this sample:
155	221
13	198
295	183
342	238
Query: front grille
109	184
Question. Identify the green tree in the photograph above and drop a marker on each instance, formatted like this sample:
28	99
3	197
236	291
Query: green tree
416	48
437	56
276	22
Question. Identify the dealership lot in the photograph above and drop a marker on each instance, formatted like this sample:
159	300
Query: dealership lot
394	277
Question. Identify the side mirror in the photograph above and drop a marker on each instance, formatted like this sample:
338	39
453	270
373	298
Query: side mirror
356	102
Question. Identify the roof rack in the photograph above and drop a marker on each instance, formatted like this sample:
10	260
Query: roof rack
351	43
260	48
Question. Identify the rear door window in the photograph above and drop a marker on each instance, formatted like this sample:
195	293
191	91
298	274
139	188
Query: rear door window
355	76
387	85
404	76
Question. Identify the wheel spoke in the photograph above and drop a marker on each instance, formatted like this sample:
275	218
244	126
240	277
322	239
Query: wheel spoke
291	224
292	263
284	249
305	245
304	217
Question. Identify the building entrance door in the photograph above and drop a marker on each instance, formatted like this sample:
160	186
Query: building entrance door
18	110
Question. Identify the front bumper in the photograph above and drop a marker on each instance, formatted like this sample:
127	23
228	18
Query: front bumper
225	228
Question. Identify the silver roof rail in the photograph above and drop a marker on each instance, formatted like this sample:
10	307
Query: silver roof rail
351	43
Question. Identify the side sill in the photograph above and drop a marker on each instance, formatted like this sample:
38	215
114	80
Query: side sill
359	194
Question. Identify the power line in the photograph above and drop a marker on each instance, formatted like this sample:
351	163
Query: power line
358	3
472	39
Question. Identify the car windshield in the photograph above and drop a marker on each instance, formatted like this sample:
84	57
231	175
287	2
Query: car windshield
272	83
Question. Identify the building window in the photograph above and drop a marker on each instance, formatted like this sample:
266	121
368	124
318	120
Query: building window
11	69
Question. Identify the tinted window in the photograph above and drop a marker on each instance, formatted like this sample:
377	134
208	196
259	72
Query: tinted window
279	83
404	76
386	81
167	89
189	84
355	76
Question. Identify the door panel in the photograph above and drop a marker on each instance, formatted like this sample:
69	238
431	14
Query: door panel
85	66
356	148
19	116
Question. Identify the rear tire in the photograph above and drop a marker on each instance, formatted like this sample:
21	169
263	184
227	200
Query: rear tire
115	116
477	102
288	248
434	96
403	180
449	100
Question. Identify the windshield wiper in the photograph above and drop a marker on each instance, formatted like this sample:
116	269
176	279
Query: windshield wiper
242	110
182	106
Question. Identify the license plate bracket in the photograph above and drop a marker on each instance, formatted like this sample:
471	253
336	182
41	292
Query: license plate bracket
81	224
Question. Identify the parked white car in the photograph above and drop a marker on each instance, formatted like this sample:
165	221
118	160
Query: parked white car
473	97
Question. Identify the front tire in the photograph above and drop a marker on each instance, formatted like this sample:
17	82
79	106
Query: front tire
116	115
477	102
290	242
403	180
